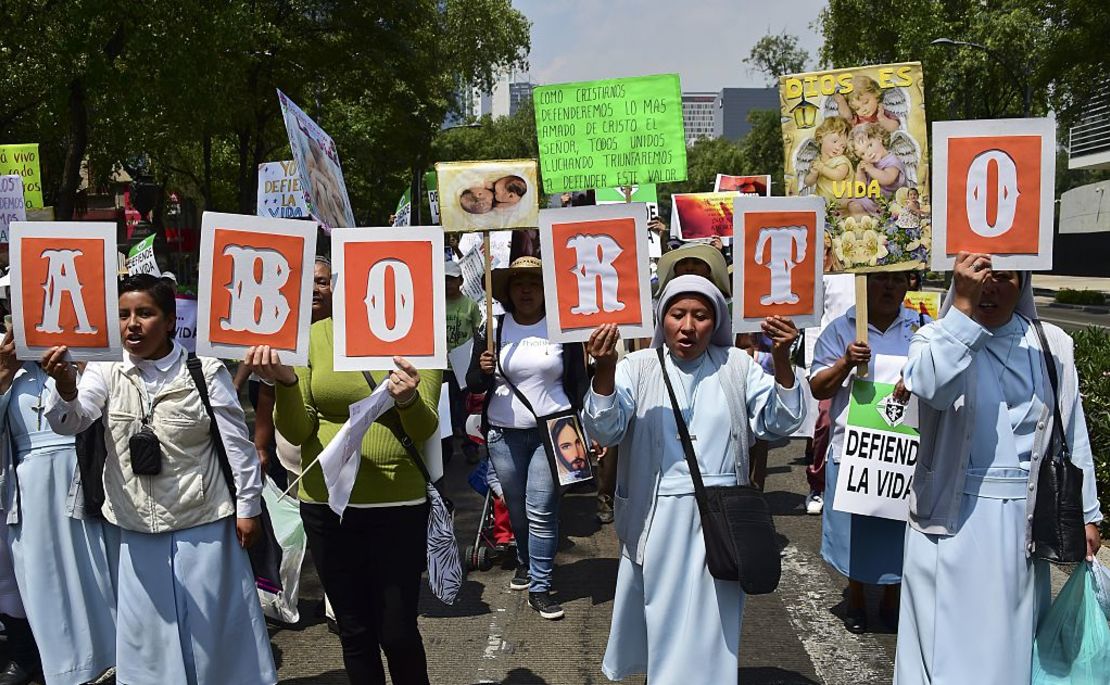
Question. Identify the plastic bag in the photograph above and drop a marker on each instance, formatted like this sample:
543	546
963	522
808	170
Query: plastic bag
285	513
1102	585
1072	646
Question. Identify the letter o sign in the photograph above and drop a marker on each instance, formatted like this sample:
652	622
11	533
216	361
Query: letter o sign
390	314
992	193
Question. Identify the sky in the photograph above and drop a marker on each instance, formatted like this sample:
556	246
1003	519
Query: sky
704	41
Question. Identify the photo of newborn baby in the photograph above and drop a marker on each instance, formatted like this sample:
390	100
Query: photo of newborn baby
488	195
318	166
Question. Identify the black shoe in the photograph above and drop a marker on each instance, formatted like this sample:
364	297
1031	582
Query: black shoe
542	602
856	621
333	626
521	579
604	509
15	674
889	617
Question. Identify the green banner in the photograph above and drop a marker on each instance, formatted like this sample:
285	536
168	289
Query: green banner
23	160
645	192
601	134
873	407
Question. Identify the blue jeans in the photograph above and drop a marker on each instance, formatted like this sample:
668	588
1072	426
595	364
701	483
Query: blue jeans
531	496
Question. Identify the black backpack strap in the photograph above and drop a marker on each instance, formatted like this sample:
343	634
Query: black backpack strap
392	420
501	370
196	370
687	442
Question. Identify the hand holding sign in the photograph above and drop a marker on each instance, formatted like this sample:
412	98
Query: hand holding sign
602	346
971	273
783	334
265	362
55	364
403	382
9	365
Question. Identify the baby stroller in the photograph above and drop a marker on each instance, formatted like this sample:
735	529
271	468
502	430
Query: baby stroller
494	540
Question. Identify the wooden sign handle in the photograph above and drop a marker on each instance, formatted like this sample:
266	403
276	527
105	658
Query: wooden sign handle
861	318
489	291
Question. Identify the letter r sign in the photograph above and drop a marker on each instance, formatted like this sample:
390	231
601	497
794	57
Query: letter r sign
63	289
595	270
993	191
255	286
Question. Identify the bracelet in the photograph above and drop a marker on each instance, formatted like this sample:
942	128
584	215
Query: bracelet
406	405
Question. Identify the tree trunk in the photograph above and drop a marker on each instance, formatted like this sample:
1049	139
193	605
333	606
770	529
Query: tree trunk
75	151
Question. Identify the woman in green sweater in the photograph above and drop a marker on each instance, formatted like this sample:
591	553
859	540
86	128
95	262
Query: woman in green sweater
375	603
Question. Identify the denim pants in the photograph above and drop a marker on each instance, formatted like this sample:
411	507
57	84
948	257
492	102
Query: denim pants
532	497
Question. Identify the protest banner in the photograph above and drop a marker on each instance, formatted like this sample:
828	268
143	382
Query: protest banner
923	302
318	166
701	216
402	215
994	188
857	138
751	186
778	261
617	132
880	449
389	298
186	331
23	161
255	286
12	207
644	193
488	195
595	271
140	259
64	290
431	184
279	191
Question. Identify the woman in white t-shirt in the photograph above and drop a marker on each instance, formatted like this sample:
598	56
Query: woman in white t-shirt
552	378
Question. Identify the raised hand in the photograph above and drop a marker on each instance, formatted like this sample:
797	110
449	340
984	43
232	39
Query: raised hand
602	344
64	373
403	382
783	334
971	272
265	362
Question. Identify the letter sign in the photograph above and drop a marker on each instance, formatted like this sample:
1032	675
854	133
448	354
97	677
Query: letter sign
778	260
994	184
595	270
63	289
255	286
389	298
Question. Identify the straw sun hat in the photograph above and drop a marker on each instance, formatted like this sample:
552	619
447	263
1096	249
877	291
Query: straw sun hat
502	277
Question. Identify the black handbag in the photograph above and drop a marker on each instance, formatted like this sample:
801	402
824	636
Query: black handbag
736	521
1058	529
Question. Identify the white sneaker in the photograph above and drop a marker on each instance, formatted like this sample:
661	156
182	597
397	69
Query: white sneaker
814	503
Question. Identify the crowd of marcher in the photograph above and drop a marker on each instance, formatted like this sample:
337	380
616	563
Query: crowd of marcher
137	572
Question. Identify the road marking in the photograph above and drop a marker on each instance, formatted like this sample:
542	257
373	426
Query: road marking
839	657
495	644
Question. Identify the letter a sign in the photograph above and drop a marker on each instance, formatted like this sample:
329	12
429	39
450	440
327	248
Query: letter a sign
389	298
595	270
64	289
255	286
994	184
778	258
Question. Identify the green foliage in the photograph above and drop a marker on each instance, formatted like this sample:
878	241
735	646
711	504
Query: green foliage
776	55
1069	296
1092	362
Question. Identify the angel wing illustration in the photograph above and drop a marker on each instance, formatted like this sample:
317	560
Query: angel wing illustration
808	151
906	149
896	103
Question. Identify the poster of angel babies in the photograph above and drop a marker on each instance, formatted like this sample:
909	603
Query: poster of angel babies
857	138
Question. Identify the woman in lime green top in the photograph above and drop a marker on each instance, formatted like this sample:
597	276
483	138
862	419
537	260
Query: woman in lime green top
375	603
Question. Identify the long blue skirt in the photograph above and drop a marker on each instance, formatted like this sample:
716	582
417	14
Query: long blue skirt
866	549
66	570
189	611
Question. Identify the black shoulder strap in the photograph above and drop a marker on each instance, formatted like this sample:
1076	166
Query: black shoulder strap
1053	379
501	370
392	420
196	370
687	443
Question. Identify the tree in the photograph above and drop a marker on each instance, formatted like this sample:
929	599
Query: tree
775	55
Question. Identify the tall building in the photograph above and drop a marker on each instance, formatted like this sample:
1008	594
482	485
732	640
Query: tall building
502	100
736	103
699	115
1083	238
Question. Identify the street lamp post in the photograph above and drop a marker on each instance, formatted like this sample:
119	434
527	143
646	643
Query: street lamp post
1021	77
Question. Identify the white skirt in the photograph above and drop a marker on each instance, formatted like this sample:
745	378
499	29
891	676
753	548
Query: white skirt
189	611
671	619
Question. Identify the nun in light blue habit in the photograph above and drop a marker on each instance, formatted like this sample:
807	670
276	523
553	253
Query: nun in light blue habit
972	593
671	619
65	563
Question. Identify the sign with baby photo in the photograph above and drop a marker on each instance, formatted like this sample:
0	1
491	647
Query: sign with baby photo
857	138
595	270
255	286
63	289
777	255
488	195
994	186
318	166
389	298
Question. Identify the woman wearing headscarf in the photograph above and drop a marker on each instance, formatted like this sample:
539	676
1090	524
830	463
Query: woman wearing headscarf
671	618
527	376
972	593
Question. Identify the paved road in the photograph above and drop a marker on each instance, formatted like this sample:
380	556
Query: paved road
1071	319
793	637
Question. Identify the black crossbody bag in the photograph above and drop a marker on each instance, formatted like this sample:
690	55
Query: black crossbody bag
736	521
1058	534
